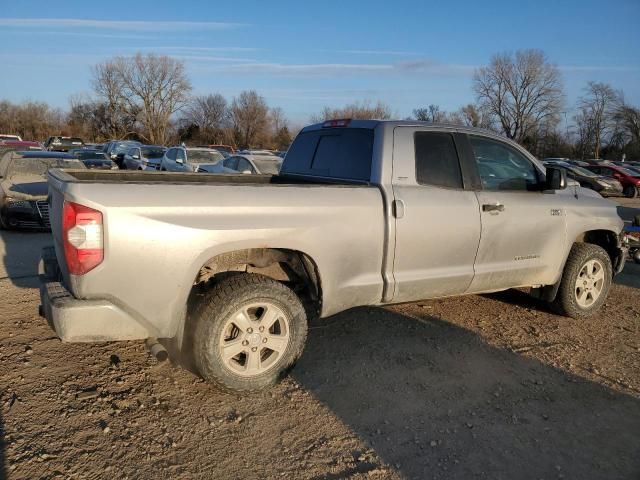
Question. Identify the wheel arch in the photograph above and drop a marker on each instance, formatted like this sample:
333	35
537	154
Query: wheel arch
294	268
607	239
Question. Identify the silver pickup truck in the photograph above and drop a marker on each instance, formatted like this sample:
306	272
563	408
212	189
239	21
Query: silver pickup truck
230	267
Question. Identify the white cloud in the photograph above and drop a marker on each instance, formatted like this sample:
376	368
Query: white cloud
206	49
129	25
378	52
418	67
597	68
77	34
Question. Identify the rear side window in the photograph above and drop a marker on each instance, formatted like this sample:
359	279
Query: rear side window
437	160
338	152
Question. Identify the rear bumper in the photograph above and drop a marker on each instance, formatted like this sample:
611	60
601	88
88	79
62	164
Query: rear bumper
77	320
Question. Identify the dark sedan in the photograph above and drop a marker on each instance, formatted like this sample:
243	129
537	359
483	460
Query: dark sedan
605	186
94	159
24	188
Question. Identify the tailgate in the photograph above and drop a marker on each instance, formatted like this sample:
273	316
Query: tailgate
57	188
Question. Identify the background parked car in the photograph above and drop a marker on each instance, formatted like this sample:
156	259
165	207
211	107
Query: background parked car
605	186
7	136
226	150
21	144
62	144
116	150
94	159
24	187
144	157
183	159
260	164
629	179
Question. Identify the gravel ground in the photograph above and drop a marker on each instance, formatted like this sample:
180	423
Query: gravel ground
491	386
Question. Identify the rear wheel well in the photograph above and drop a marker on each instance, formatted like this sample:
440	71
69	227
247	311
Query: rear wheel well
293	268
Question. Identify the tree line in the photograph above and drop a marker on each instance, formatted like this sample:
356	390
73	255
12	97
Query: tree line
149	98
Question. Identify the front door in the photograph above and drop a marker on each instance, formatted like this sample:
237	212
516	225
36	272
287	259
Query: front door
523	229
437	218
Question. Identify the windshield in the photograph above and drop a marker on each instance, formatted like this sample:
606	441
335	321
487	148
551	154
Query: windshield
269	166
204	156
39	166
152	152
582	171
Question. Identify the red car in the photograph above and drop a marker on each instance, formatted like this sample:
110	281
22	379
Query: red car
21	144
630	179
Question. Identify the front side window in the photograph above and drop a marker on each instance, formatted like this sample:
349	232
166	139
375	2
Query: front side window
171	154
437	160
502	167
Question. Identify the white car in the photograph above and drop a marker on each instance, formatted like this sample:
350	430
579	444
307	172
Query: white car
186	159
261	164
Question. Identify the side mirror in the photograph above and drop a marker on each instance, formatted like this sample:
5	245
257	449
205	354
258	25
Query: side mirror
135	157
246	172
556	179
179	160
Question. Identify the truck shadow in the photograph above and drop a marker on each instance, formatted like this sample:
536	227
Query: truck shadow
434	400
20	255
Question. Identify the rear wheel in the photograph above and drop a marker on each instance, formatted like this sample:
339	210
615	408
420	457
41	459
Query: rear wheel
630	191
585	281
249	331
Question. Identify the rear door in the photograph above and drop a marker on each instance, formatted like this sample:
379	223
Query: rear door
523	229
437	215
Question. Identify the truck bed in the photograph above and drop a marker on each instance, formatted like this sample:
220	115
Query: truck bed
148	177
161	228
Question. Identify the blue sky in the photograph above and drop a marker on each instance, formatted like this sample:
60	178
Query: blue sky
303	56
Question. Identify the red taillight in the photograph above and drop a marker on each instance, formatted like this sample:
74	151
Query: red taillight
82	238
341	122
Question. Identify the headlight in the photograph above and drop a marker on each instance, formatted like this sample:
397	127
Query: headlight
18	203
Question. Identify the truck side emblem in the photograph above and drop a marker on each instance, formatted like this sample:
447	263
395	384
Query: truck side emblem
556	212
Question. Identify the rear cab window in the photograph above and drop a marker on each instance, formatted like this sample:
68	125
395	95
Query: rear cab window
437	162
341	153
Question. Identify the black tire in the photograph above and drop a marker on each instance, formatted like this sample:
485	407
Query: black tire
224	300
566	302
630	191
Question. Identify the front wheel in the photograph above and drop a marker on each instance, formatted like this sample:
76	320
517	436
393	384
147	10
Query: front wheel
249	331
630	191
585	281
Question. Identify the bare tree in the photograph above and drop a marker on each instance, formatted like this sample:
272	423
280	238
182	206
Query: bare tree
152	87
473	116
628	119
598	106
249	118
358	110
523	91
209	113
430	114
31	120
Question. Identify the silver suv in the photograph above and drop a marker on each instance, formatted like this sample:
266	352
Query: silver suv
185	159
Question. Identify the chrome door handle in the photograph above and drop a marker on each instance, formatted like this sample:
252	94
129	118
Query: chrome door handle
493	207
398	208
